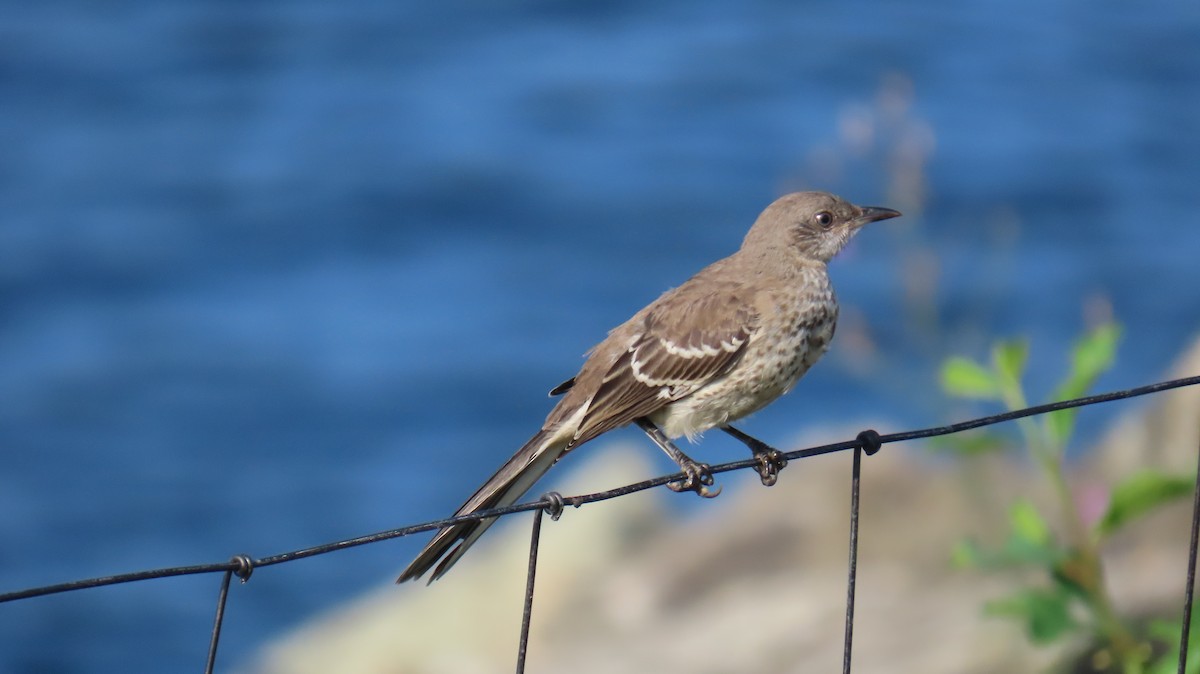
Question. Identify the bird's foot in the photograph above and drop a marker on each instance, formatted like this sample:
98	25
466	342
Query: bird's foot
698	478
770	460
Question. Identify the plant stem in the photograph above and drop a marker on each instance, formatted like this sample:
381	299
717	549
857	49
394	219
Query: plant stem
1087	568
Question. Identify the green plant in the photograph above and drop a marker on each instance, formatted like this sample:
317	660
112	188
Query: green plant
1070	595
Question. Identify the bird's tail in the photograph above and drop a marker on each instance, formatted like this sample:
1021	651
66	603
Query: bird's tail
504	488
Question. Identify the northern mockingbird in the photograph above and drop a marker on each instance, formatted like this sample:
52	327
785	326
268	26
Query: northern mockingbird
727	342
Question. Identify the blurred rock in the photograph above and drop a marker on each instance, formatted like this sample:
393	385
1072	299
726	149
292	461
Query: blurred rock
1164	433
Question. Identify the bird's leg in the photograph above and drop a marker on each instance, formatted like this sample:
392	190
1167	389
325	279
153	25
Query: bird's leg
699	475
770	460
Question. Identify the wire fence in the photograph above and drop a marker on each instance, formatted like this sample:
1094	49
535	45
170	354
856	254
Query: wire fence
867	442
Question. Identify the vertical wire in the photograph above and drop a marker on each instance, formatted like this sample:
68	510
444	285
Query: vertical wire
853	567
216	632
529	579
1186	628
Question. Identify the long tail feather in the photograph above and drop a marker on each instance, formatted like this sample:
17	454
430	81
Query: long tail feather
509	483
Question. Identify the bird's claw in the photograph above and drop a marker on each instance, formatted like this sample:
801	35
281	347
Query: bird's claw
770	462
698	478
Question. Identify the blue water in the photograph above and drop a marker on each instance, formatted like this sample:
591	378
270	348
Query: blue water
273	274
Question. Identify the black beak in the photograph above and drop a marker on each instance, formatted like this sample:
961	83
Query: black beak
874	214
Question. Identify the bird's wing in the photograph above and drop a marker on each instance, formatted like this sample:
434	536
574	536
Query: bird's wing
562	388
679	344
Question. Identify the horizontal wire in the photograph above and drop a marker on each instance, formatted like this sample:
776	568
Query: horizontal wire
577	501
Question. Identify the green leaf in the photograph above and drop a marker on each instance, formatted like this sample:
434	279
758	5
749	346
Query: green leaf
965	554
1168	632
1091	356
1027	523
965	378
1140	493
1030	541
1060	424
1009	360
1046	613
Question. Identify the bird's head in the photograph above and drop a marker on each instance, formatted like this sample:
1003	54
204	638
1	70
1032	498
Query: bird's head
813	225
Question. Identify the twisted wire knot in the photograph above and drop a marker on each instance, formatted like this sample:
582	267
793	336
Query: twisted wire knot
554	505
245	566
870	441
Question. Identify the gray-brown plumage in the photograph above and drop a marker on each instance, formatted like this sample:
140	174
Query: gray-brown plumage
730	340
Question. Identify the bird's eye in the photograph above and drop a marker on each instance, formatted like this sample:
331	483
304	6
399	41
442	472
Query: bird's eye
824	218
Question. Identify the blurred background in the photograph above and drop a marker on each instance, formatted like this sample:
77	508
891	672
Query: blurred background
274	274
